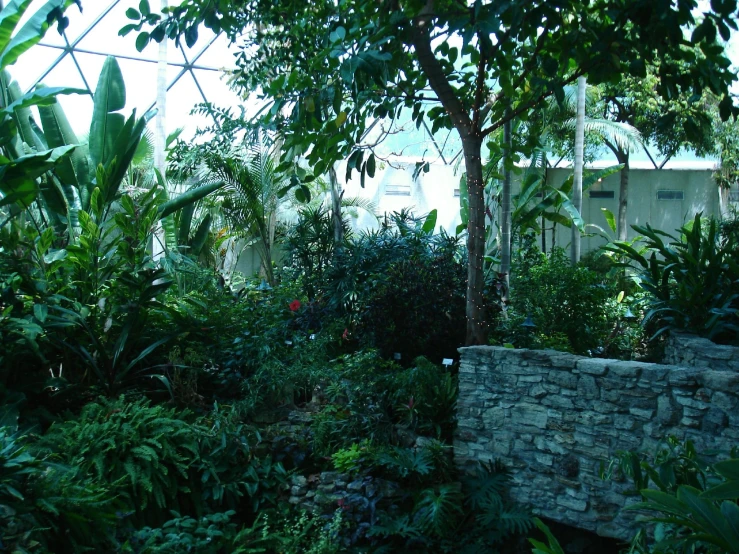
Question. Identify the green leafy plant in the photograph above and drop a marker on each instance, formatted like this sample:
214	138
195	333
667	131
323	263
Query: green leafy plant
447	518
45	505
551	547
574	303
211	534
695	500
693	279
142	452
353	458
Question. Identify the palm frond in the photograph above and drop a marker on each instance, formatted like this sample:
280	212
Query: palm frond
144	155
623	135
361	203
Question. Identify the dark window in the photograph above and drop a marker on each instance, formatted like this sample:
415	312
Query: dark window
602	194
456	193
670	195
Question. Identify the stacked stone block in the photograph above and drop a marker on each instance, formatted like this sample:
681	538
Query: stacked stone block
693	351
557	420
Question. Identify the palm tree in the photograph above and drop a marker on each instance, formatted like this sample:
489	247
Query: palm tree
577	179
250	195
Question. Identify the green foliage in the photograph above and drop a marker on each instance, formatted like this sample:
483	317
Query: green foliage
156	459
552	546
354	458
446	518
692	280
311	248
696	501
425	398
574	308
405	287
143	452
210	534
370	395
47	507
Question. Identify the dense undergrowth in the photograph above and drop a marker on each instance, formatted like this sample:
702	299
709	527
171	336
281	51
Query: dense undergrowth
137	407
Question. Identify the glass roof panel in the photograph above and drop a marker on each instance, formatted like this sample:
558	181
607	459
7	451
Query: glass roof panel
180	101
80	22
141	84
33	64
104	37
216	89
219	55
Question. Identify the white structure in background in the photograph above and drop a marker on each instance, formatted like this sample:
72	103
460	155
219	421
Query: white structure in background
665	198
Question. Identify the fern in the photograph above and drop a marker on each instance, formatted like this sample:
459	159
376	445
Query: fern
395	527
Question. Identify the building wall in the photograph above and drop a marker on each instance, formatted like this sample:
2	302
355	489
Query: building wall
394	188
557	420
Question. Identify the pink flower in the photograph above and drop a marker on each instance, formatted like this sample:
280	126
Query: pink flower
294	305
345	335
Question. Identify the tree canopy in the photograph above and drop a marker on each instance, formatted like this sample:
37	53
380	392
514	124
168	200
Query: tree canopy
327	69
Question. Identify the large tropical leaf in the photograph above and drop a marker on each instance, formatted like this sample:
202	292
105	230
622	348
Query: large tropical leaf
14	42
43	96
19	179
107	124
74	171
623	135
188	197
123	152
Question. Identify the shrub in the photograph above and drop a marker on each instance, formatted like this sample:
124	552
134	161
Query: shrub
692	280
157	460
48	507
475	517
404	286
573	308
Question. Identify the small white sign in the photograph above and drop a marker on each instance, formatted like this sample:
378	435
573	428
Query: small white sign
396	356
313	336
289	342
447	361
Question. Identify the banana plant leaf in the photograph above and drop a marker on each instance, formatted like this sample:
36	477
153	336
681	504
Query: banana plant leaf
107	124
13	43
201	235
20	175
58	132
189	197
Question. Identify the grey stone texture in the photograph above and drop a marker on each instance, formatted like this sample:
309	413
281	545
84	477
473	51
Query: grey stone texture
357	496
693	351
557	420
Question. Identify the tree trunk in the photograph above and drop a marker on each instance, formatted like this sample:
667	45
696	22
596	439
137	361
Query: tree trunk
623	196
469	131
160	137
476	322
336	210
505	227
577	181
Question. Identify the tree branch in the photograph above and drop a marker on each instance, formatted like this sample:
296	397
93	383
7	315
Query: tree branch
435	74
479	87
528	105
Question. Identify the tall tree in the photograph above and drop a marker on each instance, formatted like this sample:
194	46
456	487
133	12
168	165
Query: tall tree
682	120
468	66
578	165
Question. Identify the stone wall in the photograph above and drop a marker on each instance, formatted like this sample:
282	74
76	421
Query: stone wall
358	497
556	419
693	351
